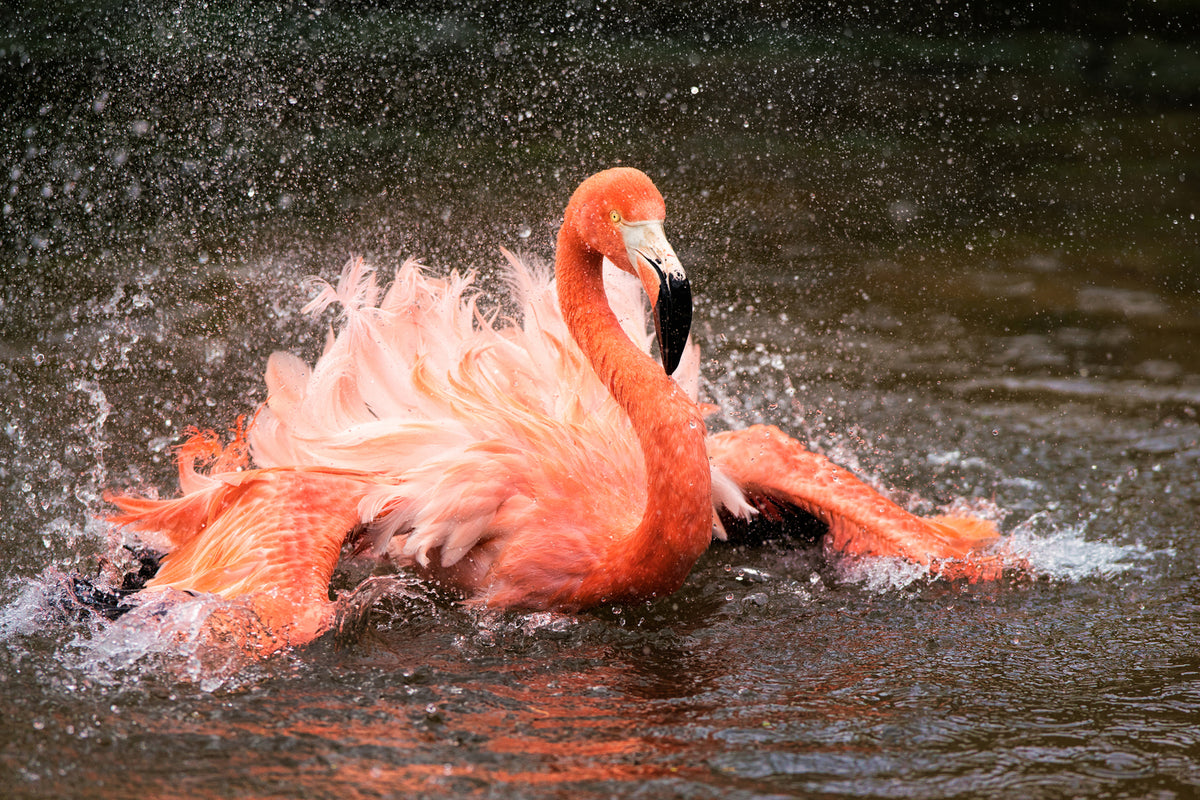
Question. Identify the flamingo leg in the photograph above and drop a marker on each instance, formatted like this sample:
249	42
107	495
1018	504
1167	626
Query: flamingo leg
767	463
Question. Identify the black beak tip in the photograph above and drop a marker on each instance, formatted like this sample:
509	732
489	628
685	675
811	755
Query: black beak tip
673	319
671	361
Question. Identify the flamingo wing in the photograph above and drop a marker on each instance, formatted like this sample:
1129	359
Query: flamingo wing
269	537
439	433
770	466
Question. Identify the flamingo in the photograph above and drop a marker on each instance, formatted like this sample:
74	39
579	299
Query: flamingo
548	462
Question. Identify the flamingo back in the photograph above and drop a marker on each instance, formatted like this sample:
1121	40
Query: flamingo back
490	426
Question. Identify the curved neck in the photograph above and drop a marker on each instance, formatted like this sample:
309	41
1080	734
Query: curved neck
676	526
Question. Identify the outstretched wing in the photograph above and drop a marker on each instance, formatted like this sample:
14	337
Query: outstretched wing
270	537
767	463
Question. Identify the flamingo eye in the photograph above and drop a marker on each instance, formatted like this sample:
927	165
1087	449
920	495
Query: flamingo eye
614	215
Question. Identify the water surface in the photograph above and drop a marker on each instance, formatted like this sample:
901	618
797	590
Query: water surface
961	261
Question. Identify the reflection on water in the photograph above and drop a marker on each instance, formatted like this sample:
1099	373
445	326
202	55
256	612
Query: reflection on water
960	261
940	691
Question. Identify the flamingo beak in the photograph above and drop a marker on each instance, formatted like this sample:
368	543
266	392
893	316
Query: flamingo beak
662	276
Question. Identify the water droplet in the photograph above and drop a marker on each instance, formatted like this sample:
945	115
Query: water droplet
523	232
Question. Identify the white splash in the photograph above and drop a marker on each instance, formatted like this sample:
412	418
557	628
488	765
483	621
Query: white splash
29	610
1036	548
880	574
1065	553
201	640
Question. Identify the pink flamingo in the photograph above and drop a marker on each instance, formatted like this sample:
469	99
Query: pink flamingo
545	464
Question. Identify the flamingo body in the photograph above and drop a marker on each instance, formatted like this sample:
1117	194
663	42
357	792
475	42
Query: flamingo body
544	461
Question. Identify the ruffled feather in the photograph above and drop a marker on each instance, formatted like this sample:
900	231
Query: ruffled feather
463	411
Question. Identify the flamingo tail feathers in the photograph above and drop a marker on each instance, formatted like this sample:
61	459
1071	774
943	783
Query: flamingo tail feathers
767	463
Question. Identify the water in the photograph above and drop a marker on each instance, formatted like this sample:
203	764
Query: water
959	261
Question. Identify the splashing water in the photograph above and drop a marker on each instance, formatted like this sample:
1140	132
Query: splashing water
1065	553
194	639
1049	551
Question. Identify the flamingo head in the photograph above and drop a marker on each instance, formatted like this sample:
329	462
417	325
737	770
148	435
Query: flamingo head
619	213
